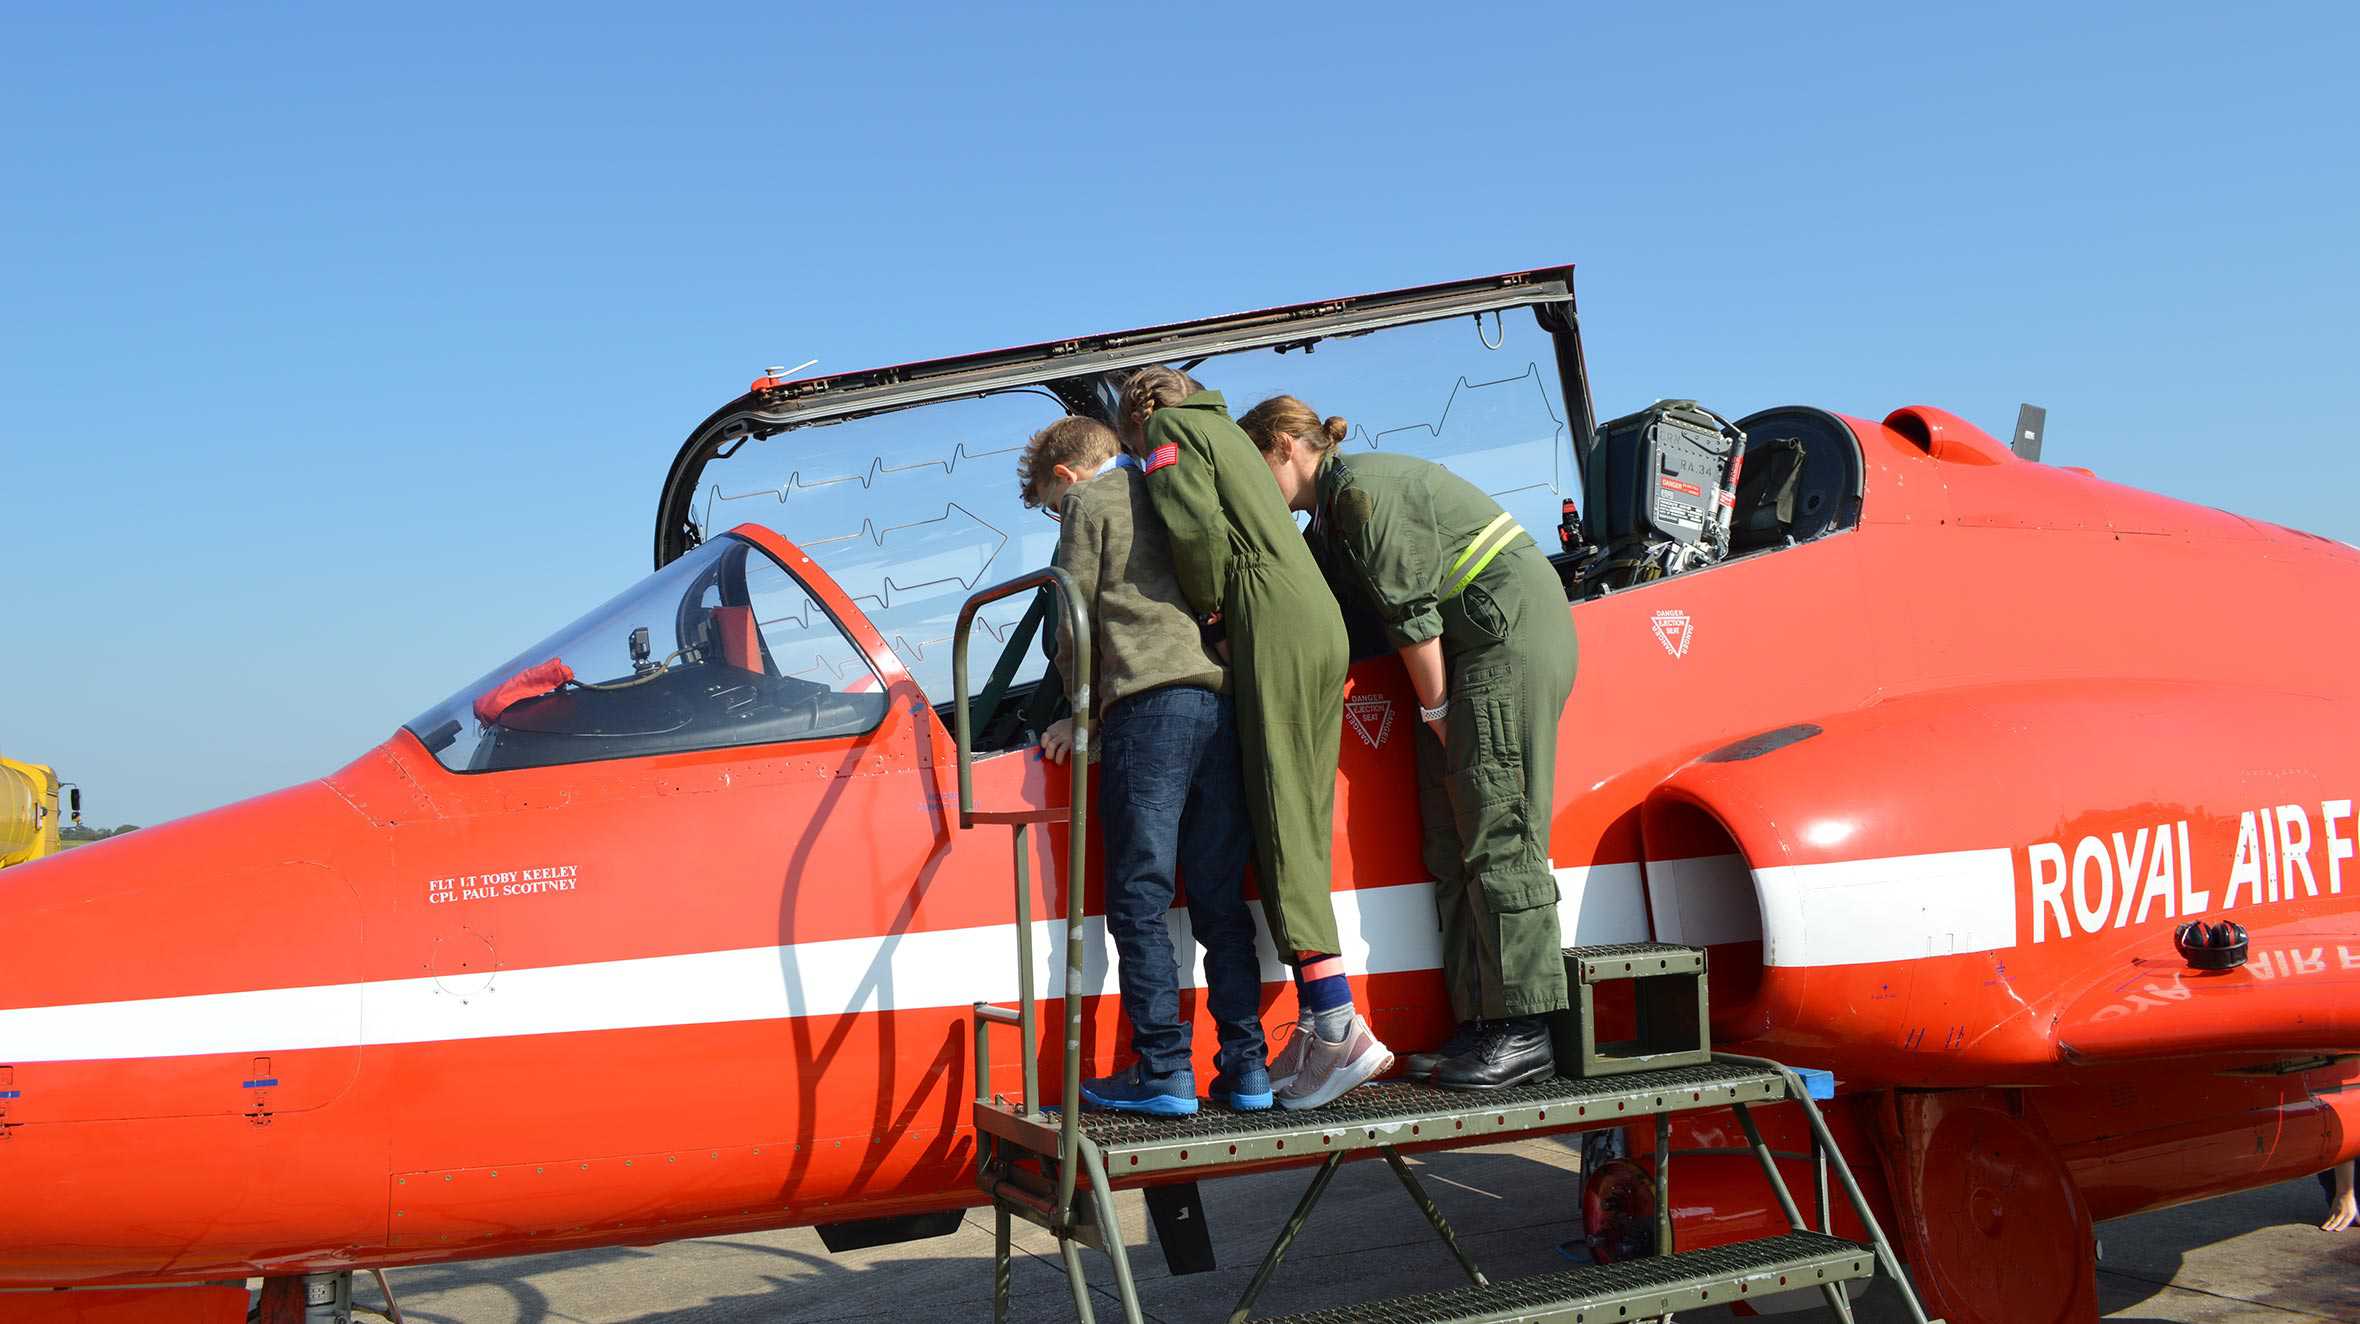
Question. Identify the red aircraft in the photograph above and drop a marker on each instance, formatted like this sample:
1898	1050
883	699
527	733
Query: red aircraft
667	927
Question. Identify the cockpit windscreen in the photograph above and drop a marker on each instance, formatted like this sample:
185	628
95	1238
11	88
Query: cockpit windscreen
721	647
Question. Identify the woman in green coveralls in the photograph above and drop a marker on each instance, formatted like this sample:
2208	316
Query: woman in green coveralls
1479	618
1245	570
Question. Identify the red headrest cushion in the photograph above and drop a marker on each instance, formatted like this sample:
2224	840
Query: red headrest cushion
741	647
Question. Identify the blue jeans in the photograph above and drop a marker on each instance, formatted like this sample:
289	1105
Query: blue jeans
1171	801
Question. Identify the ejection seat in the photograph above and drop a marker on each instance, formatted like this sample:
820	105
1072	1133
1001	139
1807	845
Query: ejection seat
1767	496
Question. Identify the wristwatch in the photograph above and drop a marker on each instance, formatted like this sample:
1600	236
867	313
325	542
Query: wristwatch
1435	714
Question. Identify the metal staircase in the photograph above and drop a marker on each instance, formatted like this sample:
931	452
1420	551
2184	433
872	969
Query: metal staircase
1059	1168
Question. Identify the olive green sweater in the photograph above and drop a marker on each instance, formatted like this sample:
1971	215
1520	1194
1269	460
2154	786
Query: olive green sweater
1142	634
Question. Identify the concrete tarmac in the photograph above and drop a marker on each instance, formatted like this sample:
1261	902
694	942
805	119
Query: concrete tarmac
2256	1257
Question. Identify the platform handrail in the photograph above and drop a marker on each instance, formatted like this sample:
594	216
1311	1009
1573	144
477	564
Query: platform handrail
1825	1142
1077	634
1076	627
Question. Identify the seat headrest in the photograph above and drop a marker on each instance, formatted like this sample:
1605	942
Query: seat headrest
740	643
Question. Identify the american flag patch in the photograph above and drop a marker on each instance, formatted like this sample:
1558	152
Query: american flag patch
1168	453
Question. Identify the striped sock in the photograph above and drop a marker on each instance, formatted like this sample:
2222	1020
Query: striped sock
1322	990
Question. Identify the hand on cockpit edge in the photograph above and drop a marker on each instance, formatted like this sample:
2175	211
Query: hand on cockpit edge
1057	741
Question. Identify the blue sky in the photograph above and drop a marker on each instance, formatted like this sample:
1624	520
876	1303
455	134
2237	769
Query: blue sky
341	356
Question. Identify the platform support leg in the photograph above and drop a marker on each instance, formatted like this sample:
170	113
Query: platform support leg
1827	1217
1837	1300
1001	1274
1111	1233
1663	1184
1072	1251
1433	1213
1286	1237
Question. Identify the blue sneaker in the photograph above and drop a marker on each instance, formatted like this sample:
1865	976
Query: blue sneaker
1134	1091
1245	1090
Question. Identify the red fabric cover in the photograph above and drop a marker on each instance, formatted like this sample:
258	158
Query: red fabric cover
741	647
525	684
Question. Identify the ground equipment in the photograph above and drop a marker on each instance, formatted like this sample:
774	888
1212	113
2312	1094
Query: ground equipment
29	811
1054	1165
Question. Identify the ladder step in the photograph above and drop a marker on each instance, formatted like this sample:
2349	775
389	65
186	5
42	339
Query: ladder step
1665	987
1630	1290
1632	960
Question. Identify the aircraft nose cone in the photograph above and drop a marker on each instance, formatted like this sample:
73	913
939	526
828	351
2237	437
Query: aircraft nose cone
173	997
160	943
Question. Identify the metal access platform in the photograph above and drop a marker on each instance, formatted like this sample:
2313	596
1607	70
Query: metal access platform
1059	1168
1387	1115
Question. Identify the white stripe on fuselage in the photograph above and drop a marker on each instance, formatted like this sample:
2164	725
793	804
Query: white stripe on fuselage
1861	910
1866	912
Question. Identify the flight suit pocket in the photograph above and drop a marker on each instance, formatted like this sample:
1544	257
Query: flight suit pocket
1487	785
1486	773
1529	889
1483	615
1486	755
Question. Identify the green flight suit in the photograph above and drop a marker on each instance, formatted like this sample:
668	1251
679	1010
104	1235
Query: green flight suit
1238	552
1433	556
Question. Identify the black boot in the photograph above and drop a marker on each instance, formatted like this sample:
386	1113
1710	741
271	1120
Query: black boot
1509	1052
1422	1066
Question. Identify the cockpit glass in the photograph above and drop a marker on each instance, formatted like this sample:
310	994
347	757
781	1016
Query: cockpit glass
721	647
908	513
913	510
1479	396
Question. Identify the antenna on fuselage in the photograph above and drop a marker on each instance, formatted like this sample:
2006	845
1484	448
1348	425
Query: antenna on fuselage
2031	422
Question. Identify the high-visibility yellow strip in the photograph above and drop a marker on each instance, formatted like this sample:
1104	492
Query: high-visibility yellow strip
1498	538
1488	530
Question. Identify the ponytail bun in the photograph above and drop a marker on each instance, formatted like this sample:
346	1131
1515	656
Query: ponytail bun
1284	415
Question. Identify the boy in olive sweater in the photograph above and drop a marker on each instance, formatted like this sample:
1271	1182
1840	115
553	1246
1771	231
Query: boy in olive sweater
1170	790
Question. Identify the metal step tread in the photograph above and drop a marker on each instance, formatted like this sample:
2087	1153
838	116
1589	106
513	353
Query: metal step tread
1633	960
1630	1290
1389	1103
1398	1113
1631	950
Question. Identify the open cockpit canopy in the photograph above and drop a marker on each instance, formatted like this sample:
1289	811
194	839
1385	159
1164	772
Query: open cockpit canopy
901	482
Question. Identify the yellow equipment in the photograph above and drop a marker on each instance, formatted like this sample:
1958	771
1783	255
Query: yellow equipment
28	811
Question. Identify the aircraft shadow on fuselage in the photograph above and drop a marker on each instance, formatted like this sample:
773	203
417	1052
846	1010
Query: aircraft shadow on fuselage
810	1059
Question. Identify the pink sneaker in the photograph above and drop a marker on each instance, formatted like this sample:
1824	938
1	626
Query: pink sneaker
1329	1071
1287	1062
